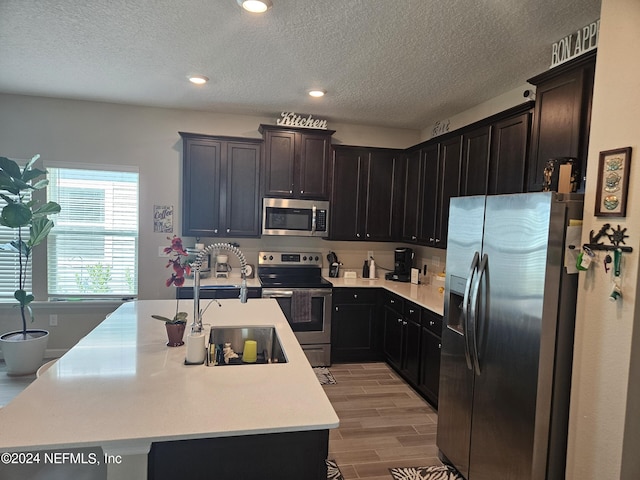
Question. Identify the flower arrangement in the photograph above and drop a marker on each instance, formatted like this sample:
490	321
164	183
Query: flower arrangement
180	265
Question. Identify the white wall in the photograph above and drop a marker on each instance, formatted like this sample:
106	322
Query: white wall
498	104
147	138
605	412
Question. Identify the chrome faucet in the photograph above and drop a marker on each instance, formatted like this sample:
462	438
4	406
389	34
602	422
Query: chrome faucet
196	326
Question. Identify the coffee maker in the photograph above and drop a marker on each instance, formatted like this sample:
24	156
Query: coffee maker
402	263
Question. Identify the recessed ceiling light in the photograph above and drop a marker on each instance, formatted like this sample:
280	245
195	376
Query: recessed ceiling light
198	79
255	6
316	92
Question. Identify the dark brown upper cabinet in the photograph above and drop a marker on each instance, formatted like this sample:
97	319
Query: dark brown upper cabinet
509	153
366	193
495	153
475	166
220	186
562	116
296	162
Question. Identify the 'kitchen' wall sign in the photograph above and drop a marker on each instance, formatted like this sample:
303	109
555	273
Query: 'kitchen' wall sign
291	119
581	41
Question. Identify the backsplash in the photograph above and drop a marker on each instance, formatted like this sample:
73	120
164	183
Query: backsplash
350	254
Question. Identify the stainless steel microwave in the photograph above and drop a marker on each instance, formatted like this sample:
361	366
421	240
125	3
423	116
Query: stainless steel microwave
302	218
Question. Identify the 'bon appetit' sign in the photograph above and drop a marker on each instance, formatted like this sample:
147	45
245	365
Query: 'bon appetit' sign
291	119
575	44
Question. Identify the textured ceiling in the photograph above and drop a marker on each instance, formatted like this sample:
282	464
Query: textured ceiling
397	63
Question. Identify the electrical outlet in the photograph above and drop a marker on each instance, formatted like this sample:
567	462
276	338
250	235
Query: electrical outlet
161	252
436	262
369	254
53	320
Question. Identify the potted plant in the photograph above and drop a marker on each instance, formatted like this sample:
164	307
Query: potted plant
175	326
24	349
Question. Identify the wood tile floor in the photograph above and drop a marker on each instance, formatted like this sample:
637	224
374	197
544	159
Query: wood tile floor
384	423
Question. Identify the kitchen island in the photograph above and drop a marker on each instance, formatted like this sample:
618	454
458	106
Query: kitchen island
122	389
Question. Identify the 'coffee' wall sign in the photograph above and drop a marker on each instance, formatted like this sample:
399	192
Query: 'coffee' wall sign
290	119
574	45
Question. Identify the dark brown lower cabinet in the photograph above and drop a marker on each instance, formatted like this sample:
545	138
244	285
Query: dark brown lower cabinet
412	344
430	346
355	325
286	456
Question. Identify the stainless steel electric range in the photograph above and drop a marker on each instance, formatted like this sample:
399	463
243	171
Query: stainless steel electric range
295	281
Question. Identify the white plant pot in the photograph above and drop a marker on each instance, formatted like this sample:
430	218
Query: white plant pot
24	357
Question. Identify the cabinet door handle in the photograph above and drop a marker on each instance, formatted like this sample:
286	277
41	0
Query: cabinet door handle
215	230
432	323
355	295
336	309
411	311
301	192
399	320
228	230
439	345
404	323
431	239
392	301
358	235
437	240
413	237
368	235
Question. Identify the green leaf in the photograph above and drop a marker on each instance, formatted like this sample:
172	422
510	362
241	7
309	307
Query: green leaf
6	198
29	175
23	297
40	228
48	208
16	215
9	247
33	160
10	167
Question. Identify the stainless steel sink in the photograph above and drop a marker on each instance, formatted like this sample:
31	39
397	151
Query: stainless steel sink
269	346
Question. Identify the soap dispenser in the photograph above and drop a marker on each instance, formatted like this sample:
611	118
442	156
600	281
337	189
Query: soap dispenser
372	268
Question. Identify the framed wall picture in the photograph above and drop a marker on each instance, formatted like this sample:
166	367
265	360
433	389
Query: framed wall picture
613	183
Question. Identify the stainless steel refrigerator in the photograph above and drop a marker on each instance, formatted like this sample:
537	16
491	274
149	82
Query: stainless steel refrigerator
507	341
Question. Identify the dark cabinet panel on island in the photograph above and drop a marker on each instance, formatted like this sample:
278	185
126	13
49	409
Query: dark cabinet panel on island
296	162
366	193
356	329
220	186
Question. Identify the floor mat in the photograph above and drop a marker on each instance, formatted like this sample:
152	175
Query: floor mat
325	377
333	472
434	472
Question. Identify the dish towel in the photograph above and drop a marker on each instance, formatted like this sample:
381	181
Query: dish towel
301	306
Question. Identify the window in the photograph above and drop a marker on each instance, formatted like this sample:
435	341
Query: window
10	263
92	250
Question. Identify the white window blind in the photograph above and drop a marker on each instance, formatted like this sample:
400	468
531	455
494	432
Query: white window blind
9	261
92	250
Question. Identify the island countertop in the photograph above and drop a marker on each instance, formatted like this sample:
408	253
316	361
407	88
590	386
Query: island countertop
121	386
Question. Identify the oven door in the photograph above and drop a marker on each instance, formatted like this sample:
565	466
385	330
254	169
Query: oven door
308	311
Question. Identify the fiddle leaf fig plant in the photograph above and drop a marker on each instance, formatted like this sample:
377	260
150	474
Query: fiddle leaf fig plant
28	217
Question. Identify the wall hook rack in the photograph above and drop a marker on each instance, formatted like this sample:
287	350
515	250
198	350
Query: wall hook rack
615	236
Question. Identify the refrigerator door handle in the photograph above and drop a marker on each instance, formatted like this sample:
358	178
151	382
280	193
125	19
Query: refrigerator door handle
465	309
474	315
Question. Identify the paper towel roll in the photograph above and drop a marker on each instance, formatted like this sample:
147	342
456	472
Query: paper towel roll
195	348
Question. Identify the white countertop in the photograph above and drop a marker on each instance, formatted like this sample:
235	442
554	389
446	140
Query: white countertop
120	387
427	296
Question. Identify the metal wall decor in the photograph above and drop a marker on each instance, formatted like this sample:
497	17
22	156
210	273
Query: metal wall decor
613	183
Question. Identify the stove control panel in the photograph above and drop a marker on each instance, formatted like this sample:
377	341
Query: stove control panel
306	259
